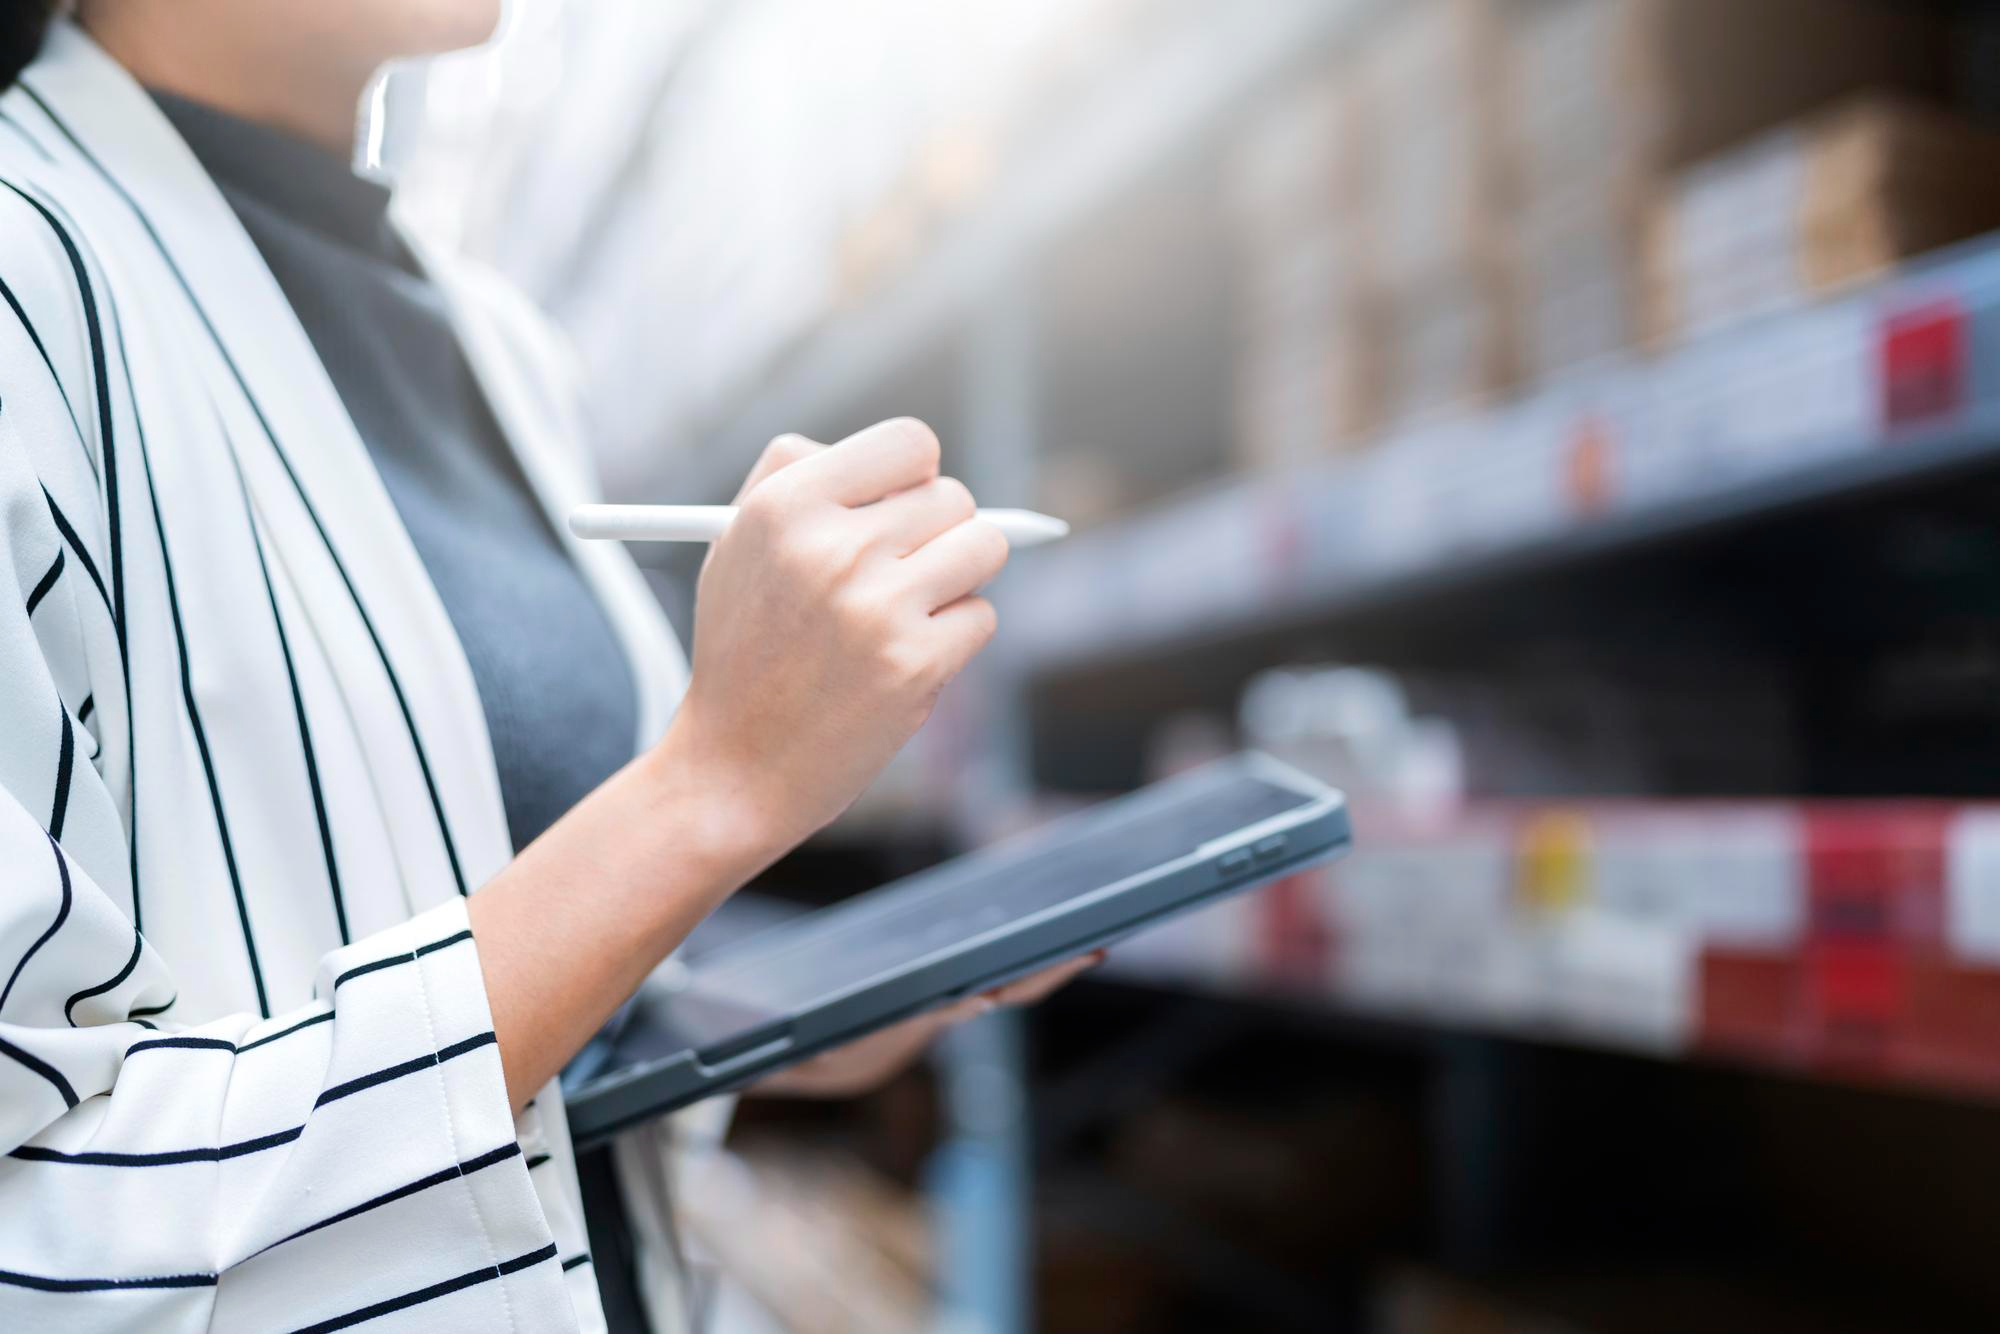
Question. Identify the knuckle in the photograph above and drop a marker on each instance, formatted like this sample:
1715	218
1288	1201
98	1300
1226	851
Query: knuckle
829	560
876	620
985	619
863	615
920	440
768	499
852	615
780	453
992	545
906	665
800	549
956	498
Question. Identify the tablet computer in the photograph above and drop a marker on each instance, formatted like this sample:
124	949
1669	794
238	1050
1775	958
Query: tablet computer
970	924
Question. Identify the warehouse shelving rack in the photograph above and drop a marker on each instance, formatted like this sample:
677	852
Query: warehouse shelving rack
1889	386
1889	390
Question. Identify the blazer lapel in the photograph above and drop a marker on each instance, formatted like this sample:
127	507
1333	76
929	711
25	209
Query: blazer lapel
330	521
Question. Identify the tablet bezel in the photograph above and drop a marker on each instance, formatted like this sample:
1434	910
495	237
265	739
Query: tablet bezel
1316	829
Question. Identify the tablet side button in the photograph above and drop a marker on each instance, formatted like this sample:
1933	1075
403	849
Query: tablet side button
1234	863
1268	849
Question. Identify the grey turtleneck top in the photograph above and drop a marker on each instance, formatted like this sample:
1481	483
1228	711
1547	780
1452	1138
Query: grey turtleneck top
553	680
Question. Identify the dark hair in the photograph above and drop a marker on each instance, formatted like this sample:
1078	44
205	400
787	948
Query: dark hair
23	25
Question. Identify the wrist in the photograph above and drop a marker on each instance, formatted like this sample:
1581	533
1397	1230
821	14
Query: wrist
715	801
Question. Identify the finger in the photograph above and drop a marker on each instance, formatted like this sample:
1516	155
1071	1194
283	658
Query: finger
1038	987
781	453
868	465
909	519
958	561
962	629
966	1010
862	1064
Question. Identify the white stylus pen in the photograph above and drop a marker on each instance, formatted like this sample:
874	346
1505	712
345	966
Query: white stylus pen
706	523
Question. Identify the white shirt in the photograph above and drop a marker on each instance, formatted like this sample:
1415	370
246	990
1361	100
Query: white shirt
227	687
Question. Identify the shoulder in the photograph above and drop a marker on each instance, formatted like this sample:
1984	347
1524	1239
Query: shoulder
48	275
37	224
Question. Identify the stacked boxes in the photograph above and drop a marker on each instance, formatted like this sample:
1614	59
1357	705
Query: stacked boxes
1583	182
1617	96
1701	75
1309	376
1493	191
1436	104
1808	209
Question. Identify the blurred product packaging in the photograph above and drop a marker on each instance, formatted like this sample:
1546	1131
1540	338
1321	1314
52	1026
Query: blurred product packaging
1352	727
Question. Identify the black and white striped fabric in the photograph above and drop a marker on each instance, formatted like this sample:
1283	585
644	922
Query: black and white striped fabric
247	1071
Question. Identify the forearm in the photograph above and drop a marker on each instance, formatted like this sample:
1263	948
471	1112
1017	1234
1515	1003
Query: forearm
569	930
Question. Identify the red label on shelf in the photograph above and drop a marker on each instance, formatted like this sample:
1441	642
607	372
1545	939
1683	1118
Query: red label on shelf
1876	872
1296	944
1588	473
1855	1004
1923	363
1281	532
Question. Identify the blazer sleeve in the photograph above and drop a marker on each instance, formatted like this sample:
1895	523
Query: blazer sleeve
349	1159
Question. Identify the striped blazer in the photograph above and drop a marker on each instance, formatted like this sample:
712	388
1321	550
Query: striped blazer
248	1078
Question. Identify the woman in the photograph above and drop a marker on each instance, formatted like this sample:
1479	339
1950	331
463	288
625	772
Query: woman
298	657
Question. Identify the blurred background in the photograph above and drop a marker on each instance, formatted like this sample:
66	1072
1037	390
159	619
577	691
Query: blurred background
1572	426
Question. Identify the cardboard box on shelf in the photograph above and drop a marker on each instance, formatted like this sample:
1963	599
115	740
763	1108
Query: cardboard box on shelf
1437	144
1649	86
1308	376
1310	370
1306	398
1433	98
1298	165
1887	179
1706	73
1454	342
1811	208
1610	98
1577	258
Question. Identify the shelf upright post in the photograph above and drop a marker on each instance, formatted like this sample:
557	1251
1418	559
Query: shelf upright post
979	1182
997	455
982	1177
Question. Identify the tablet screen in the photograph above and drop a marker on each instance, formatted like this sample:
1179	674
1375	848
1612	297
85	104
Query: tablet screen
832	952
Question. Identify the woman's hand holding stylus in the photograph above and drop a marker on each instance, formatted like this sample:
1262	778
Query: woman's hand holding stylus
831	614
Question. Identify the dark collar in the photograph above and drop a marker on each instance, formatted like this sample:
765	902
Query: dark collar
297	179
